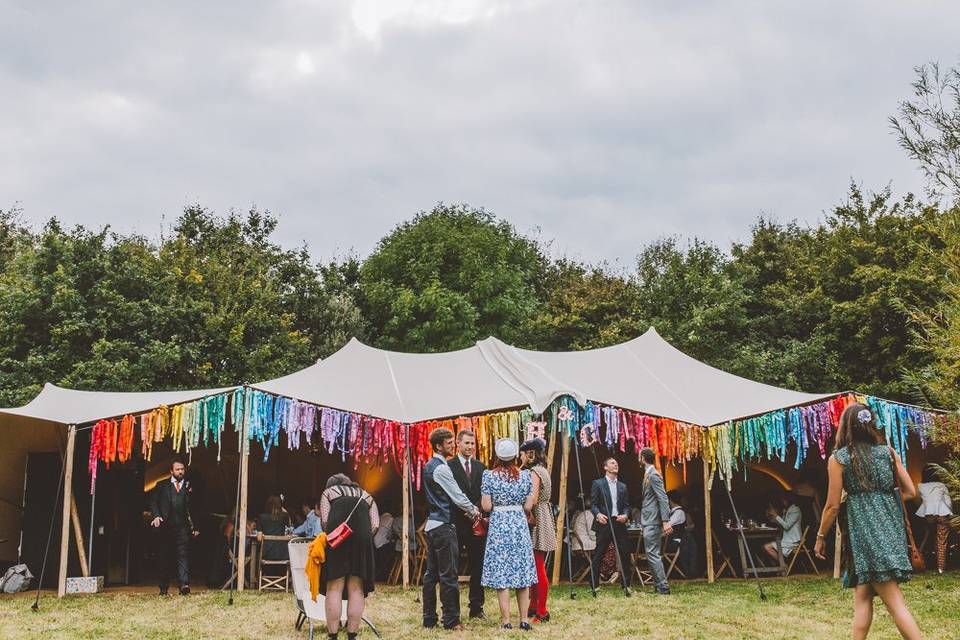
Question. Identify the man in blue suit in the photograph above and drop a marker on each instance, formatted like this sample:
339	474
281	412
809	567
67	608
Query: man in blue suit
610	507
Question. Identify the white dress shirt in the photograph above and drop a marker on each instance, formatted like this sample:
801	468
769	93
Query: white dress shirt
614	511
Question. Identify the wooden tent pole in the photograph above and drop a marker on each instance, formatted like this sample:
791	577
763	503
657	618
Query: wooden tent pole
244	481
405	536
564	467
67	497
708	521
75	521
551	451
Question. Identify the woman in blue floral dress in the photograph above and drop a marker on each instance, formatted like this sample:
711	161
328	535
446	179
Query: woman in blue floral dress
875	553
506	493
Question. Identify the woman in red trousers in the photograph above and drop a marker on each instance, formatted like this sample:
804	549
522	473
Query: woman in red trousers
544	533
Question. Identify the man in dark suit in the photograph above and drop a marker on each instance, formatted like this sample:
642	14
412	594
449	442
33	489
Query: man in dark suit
610	507
170	505
467	471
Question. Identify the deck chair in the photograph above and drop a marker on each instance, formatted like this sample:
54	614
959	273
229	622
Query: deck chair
273	582
309	610
802	548
396	570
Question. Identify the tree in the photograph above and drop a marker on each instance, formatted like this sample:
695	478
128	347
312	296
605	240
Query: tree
448	278
216	303
928	126
584	307
687	294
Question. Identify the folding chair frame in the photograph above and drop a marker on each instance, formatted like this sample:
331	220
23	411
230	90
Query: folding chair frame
806	550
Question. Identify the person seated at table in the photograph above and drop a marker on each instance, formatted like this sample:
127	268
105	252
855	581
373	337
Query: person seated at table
273	522
584	537
787	515
311	525
678	520
383	546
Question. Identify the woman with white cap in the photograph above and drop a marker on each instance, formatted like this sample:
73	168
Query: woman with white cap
506	493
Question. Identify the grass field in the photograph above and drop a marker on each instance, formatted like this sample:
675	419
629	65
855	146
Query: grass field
795	608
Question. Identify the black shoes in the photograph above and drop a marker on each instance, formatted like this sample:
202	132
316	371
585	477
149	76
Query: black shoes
164	591
477	614
525	626
185	590
664	591
506	626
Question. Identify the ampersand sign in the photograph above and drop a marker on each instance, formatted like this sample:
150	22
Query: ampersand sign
536	430
564	414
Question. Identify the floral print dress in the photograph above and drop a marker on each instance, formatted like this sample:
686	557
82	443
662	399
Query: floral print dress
508	559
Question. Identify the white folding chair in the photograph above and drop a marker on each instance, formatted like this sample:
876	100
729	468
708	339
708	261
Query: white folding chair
308	609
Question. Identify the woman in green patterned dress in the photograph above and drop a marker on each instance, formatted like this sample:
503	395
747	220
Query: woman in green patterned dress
876	556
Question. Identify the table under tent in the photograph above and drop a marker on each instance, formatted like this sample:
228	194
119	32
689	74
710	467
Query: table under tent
366	408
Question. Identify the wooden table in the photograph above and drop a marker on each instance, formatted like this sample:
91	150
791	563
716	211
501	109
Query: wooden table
759	535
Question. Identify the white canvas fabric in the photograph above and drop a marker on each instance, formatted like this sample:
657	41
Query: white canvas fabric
69	406
646	375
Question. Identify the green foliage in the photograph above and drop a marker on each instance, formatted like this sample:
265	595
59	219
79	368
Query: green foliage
216	303
448	278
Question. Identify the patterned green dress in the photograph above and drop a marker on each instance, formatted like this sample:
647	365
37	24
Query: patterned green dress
878	540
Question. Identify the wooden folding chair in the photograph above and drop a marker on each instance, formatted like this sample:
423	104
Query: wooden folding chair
582	554
233	567
802	547
274	582
396	569
638	559
420	560
726	565
670	559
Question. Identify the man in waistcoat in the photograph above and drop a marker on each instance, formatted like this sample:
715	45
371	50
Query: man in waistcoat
444	499
170	505
468	471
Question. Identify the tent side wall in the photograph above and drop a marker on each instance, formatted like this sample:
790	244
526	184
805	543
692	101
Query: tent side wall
21	436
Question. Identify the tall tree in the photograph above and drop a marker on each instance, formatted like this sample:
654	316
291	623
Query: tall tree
928	126
449	277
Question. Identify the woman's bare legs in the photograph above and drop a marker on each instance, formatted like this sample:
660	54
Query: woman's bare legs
523	601
503	599
355	603
862	610
333	604
893	600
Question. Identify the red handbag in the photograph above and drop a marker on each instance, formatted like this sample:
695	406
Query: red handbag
342	531
480	526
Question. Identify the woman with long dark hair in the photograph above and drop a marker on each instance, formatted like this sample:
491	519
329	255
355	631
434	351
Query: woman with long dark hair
348	571
506	493
544	532
875	553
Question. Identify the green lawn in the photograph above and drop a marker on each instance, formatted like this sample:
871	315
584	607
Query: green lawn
795	608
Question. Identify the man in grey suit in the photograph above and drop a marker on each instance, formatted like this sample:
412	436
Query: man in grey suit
655	519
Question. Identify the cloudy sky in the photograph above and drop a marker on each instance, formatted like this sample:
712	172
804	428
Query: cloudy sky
603	124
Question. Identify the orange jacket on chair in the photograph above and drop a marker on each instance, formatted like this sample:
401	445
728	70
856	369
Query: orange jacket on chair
316	556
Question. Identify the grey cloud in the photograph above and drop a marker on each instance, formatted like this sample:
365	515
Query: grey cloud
604	124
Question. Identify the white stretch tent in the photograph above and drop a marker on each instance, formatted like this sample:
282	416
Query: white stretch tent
646	374
68	406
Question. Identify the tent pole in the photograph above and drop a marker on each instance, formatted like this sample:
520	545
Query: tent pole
75	520
244	481
551	451
93	507
708	521
67	496
405	549
564	468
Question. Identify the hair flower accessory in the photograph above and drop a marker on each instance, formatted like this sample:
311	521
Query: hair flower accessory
864	415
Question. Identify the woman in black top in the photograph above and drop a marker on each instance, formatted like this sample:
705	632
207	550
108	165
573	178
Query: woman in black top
273	522
348	572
